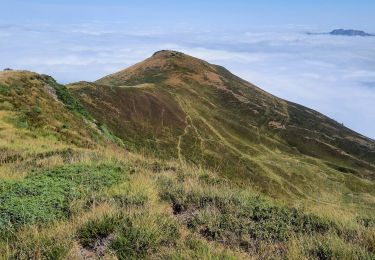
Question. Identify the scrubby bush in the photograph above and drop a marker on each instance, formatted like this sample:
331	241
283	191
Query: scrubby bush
140	235
366	221
97	229
45	196
232	217
4	90
66	97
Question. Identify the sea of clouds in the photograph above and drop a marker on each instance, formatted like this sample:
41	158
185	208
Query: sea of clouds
332	74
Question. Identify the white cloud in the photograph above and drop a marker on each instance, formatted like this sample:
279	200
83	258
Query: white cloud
334	75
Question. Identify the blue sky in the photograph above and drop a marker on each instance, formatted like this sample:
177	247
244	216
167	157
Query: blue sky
206	13
262	41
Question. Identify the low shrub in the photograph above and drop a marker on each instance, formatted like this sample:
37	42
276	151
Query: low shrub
141	235
234	217
66	97
333	247
45	196
4	90
366	221
97	229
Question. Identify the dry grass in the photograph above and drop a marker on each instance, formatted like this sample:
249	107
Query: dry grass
61	237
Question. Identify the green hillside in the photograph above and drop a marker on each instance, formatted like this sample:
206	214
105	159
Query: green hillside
176	106
176	158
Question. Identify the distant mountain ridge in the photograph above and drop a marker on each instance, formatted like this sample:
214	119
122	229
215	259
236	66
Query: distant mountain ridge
349	32
344	32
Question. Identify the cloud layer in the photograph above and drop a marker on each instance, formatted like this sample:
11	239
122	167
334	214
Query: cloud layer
332	74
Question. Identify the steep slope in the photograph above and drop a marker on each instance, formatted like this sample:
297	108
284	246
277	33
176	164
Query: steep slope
40	121
174	105
38	103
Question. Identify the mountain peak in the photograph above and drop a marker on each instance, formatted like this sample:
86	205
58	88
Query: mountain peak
160	65
168	53
174	58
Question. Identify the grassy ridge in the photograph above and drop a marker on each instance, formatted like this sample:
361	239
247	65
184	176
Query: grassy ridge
187	117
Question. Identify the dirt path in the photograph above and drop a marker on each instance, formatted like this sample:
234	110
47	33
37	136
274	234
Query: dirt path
180	139
189	124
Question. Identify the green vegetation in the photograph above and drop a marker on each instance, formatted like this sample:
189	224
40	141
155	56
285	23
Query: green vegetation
98	229
36	102
140	207
142	235
236	216
204	115
45	196
66	97
195	164
240	219
4	90
109	135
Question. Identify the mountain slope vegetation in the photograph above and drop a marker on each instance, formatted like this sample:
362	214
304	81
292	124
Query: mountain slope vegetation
174	105
176	158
